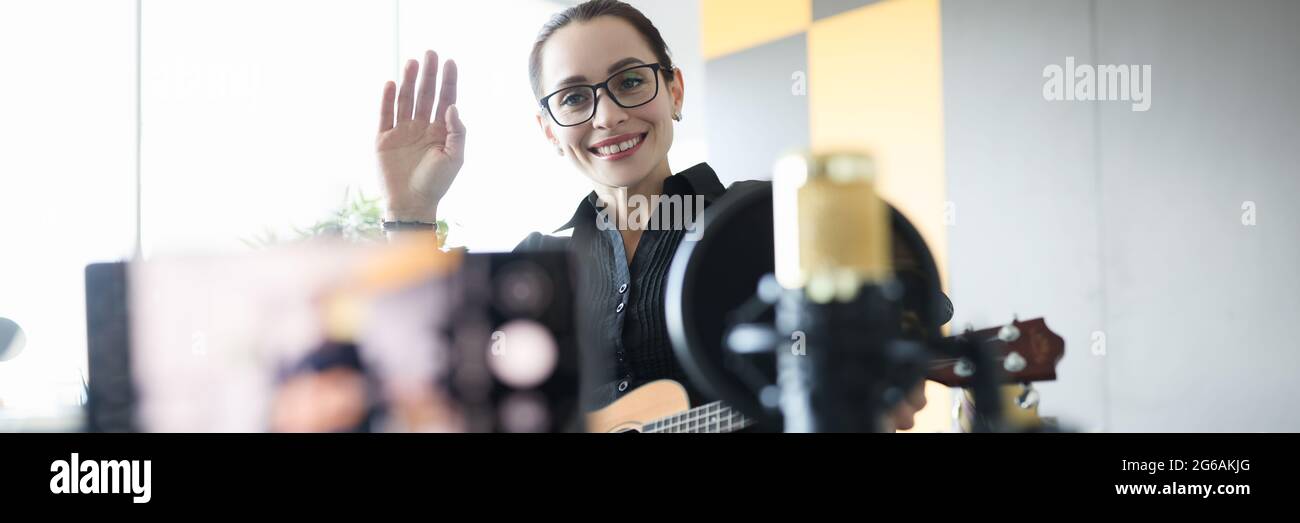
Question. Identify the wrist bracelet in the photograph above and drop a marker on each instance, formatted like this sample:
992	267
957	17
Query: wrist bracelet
395	226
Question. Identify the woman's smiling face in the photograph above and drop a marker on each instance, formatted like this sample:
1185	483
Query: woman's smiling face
585	53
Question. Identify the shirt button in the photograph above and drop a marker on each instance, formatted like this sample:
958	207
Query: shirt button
622	385
622	288
619	308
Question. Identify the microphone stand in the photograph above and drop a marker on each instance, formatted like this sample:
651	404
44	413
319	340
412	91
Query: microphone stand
853	366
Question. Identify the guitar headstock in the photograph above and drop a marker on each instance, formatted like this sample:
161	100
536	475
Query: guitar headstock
1027	350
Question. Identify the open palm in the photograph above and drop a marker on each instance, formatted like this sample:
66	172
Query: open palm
419	157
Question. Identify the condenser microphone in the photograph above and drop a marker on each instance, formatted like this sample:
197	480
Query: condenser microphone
841	301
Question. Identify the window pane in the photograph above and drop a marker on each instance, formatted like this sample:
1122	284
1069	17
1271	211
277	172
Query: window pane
67	180
257	115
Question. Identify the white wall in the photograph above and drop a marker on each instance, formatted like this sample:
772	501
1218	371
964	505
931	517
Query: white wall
1129	224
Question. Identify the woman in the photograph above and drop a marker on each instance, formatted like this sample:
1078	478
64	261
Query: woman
608	95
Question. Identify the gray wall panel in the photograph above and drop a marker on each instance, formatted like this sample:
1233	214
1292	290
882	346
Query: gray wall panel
753	115
1129	223
1022	179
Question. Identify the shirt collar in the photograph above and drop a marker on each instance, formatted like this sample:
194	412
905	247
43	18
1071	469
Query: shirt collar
699	180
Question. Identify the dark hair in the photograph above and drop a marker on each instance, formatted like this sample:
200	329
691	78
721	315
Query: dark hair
587	11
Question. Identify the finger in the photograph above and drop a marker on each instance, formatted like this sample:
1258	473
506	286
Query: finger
386	107
455	134
904	416
887	423
406	96
428	85
447	94
917	397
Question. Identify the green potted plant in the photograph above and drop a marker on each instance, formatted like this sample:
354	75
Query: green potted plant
358	219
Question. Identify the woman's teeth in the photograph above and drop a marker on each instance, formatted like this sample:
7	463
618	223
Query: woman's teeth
619	147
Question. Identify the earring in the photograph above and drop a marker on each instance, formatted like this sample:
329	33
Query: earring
677	116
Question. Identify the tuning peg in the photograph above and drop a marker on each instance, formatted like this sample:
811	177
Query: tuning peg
1028	397
964	368
1009	333
1014	362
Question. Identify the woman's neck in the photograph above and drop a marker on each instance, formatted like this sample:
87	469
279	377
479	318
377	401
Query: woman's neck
616	198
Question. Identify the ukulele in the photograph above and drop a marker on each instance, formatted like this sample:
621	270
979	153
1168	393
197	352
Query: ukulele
1027	351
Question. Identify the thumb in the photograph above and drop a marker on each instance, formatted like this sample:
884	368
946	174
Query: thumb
455	133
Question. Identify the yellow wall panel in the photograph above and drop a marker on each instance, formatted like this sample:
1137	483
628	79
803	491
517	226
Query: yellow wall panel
728	26
875	84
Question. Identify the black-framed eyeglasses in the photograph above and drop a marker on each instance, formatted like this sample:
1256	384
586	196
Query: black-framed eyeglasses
631	87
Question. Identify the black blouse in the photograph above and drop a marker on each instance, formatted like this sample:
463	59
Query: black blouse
621	305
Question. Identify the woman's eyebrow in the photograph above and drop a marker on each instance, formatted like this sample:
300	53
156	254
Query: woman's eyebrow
623	63
577	78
